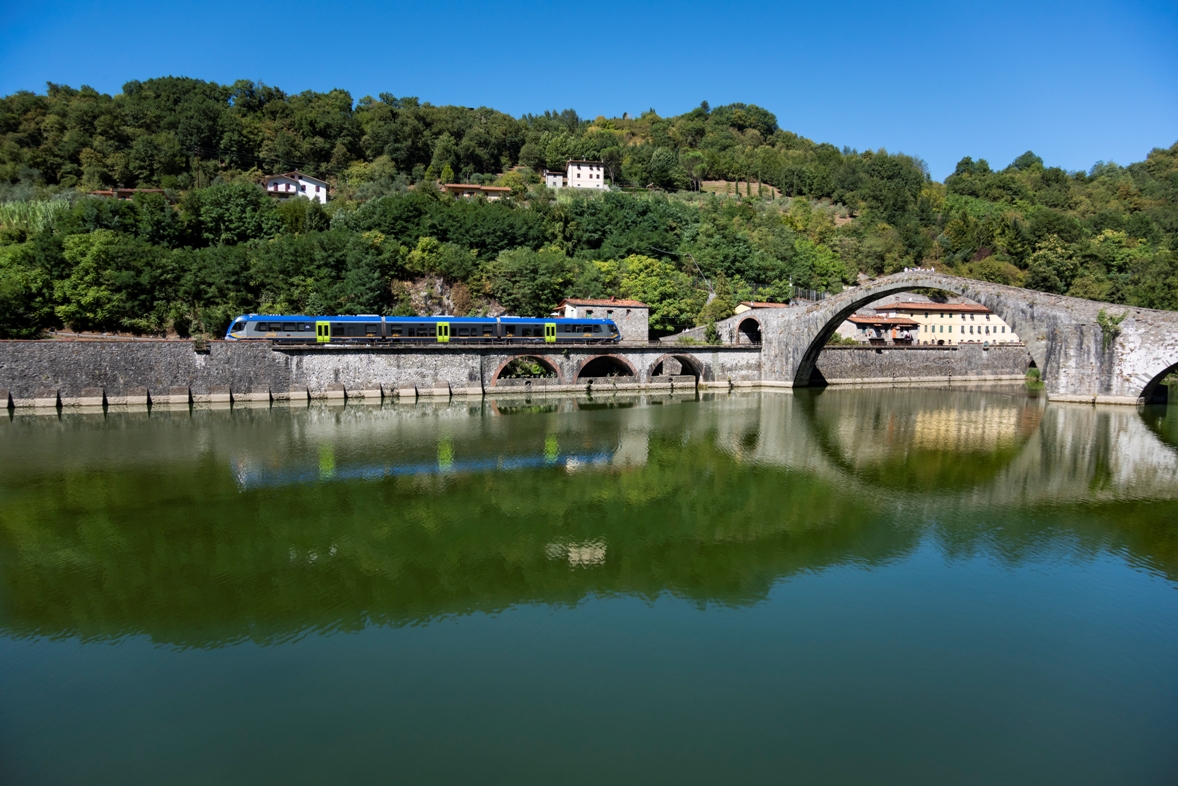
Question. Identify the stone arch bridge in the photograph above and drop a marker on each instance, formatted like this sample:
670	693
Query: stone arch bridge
1077	359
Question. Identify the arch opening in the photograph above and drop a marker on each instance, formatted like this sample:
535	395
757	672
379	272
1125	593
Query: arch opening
807	370
677	366
526	367
605	366
1157	391
748	332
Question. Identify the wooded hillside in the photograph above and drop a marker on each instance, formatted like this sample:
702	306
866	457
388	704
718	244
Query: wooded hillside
218	246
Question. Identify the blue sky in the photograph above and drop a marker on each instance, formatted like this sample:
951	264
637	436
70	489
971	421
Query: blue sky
1077	82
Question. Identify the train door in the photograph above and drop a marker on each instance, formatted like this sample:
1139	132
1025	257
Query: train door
322	332
443	332
549	332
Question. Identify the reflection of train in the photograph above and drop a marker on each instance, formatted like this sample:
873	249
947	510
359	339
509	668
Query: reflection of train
261	474
420	330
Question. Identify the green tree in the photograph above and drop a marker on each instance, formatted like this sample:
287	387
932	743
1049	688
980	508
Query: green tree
118	283
230	213
530	283
673	301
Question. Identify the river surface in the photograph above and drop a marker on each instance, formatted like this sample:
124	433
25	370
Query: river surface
846	587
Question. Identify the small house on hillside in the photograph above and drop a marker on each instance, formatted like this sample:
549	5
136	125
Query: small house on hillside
554	178
586	174
631	316
295	184
578	174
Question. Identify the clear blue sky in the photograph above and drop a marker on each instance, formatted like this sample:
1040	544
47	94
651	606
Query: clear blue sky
1076	82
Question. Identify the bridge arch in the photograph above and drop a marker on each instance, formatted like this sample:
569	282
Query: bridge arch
690	365
540	360
830	314
748	331
1155	392
604	366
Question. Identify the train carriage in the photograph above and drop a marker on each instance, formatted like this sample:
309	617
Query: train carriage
372	329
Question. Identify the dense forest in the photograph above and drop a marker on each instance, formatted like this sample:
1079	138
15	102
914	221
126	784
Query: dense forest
705	209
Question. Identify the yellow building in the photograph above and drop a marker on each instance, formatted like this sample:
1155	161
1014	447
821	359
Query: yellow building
952	323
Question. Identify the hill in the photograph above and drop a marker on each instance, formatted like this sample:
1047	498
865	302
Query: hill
218	246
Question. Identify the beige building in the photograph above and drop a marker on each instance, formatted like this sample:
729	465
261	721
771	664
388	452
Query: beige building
952	323
937	324
631	316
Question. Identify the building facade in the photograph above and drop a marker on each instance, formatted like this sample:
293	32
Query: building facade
953	323
554	178
937	324
586	174
579	174
631	316
879	329
296	184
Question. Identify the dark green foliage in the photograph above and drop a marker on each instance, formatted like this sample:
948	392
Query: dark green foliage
530	283
230	213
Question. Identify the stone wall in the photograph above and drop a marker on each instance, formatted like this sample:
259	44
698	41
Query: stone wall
858	365
47	373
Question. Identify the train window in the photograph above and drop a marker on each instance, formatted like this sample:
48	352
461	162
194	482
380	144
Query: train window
597	328
462	331
510	330
261	327
394	330
338	329
372	330
487	331
305	327
289	327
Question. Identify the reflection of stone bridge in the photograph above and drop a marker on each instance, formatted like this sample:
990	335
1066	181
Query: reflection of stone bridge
1079	359
1017	452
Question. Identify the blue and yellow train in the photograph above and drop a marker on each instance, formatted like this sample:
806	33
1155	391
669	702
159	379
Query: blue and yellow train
373	329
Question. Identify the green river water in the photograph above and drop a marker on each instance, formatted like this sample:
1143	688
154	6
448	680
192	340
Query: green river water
912	586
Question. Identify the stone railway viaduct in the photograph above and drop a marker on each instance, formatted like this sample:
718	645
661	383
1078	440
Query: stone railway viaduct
1079	360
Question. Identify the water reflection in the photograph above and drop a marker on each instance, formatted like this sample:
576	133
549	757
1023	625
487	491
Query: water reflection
213	527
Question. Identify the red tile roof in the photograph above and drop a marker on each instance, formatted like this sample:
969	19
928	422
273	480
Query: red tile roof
578	301
861	319
944	308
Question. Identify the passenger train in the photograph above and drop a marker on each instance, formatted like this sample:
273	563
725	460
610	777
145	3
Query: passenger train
372	329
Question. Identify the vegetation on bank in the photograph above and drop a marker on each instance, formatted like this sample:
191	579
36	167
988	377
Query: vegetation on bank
215	245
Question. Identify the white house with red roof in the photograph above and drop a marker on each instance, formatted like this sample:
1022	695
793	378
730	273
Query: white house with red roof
296	184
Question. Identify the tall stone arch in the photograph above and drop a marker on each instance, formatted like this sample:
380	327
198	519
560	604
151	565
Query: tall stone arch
1078	358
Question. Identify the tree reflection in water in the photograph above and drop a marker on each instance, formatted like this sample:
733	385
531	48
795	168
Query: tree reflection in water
210	528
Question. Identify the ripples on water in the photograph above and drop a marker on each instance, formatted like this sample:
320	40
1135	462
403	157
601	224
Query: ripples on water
988	578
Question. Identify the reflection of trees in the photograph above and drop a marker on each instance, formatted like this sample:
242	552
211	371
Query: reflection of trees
174	548
182	555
